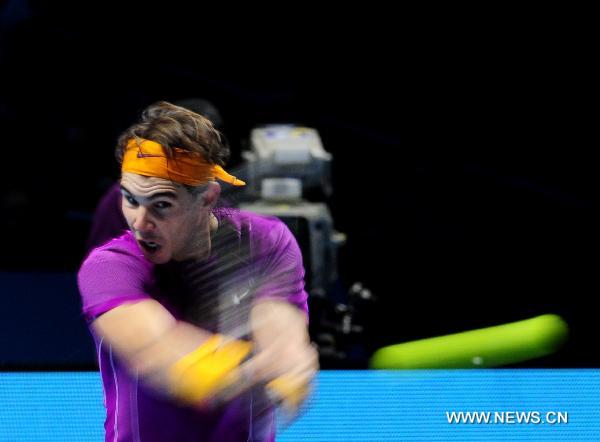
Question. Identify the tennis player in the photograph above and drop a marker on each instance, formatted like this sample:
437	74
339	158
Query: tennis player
199	314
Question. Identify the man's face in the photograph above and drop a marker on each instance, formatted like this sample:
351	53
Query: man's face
164	217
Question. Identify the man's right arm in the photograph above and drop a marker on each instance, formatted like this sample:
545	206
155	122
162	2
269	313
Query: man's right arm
148	339
174	357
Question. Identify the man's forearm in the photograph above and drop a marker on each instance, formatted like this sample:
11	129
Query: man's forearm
174	357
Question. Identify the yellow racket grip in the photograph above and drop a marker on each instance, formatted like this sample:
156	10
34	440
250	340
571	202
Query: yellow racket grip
291	390
211	368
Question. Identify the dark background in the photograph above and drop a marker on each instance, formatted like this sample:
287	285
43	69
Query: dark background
463	155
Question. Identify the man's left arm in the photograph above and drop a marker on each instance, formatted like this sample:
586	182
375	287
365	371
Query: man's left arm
285	358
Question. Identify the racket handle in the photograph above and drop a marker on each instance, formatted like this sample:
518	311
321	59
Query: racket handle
288	390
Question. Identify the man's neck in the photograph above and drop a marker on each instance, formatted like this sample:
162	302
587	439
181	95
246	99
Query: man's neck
201	245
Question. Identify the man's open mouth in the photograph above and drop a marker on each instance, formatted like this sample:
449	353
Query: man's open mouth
149	246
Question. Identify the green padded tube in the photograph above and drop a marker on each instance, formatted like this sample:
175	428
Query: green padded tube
486	347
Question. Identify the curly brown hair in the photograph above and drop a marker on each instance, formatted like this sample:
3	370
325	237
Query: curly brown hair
173	126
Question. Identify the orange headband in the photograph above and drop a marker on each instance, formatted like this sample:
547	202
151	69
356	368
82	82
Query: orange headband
146	157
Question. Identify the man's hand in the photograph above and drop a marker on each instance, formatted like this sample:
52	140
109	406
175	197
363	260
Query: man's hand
284	354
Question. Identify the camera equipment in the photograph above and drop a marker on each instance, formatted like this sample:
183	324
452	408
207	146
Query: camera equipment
286	160
284	163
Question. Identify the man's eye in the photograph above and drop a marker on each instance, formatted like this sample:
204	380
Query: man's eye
162	205
130	200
